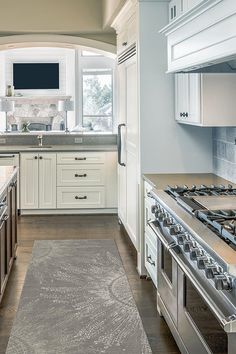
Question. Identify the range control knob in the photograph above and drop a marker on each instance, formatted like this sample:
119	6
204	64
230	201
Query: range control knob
160	216
168	221
181	238
175	229
222	282
195	252
211	271
187	246
202	262
154	209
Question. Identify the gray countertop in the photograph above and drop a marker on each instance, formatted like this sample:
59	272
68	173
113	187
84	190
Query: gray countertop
77	147
161	181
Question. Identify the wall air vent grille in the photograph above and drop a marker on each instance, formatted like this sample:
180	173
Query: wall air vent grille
129	53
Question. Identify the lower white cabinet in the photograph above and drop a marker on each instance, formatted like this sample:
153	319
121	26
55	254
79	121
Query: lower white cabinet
38	181
68	180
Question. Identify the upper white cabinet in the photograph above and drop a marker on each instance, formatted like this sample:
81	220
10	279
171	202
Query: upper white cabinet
206	33
205	99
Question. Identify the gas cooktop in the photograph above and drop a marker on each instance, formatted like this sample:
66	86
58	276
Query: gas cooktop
215	206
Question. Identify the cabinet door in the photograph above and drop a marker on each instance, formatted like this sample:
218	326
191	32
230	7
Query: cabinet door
181	96
47	181
122	120
188	98
29	181
132	126
3	260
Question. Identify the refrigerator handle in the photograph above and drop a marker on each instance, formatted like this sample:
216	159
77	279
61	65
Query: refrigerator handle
119	144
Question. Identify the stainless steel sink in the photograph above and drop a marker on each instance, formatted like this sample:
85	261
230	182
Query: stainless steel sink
37	147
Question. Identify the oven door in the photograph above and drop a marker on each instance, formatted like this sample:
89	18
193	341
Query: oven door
200	330
166	276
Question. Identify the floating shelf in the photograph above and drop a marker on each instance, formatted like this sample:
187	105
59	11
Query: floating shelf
29	99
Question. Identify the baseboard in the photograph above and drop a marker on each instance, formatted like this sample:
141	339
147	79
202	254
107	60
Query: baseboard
67	211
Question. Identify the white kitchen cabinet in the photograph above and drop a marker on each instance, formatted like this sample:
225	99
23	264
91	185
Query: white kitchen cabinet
205	99
129	134
38	181
87	180
128	34
205	33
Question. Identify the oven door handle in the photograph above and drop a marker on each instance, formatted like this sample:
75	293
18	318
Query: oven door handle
228	323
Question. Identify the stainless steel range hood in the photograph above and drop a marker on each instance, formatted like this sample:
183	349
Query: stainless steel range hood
222	67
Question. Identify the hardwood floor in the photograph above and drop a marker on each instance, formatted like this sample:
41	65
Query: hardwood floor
83	227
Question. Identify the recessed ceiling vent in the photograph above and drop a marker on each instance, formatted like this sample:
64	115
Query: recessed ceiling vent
129	53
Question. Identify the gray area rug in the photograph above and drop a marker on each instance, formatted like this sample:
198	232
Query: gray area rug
76	299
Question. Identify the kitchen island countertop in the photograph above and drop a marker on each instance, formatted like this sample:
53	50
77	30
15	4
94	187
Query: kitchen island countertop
6	175
161	181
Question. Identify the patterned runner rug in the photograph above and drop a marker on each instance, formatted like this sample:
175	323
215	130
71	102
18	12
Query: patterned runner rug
76	299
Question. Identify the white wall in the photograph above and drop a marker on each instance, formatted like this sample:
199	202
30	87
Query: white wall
166	146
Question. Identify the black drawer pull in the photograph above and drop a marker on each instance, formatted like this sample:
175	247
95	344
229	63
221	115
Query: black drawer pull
149	259
80	158
76	197
84	175
124	44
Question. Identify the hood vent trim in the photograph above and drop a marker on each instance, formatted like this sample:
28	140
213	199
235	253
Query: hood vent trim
126	55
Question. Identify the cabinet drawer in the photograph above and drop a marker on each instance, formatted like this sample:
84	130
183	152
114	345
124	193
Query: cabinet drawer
77	158
82	175
151	257
80	197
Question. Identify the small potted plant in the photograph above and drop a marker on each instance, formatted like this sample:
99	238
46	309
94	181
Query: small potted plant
25	127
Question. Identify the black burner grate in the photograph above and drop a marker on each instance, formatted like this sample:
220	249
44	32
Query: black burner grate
223	221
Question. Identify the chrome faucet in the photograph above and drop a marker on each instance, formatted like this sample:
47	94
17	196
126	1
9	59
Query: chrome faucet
40	140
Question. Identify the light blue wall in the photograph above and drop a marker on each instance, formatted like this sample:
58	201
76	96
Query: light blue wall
166	146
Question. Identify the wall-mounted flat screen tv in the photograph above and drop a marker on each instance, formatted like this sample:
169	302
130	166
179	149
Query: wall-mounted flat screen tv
36	76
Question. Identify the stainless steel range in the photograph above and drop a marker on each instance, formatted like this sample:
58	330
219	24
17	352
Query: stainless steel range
196	231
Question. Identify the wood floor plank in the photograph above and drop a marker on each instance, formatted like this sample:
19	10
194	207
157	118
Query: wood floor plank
33	228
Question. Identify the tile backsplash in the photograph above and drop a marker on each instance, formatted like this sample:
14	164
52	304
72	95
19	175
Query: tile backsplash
45	112
224	153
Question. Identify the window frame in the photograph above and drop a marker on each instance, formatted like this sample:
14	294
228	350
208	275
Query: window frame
92	63
99	72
